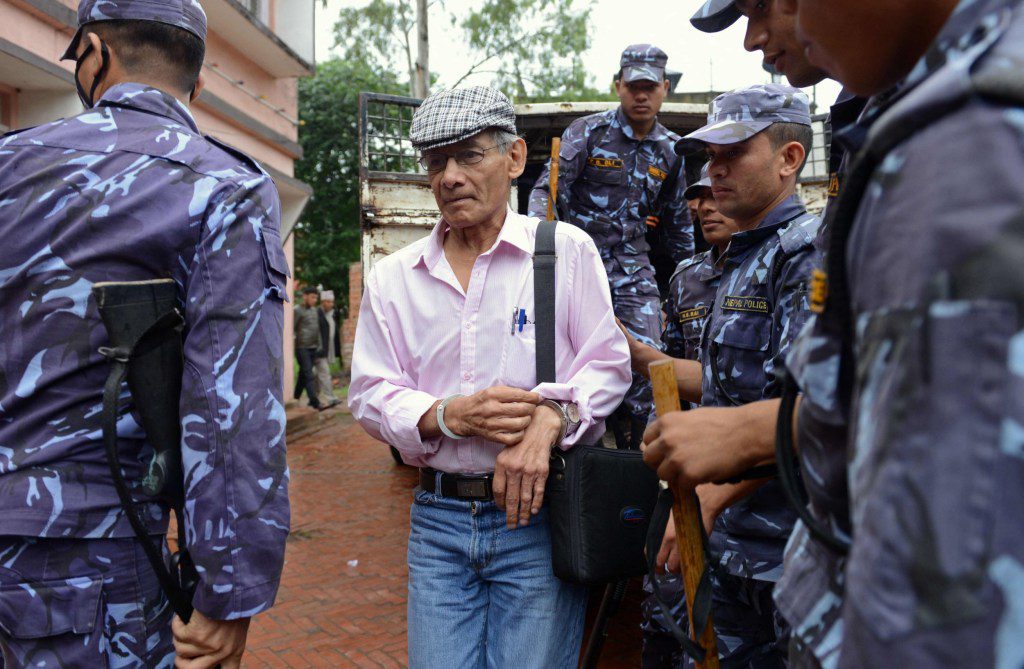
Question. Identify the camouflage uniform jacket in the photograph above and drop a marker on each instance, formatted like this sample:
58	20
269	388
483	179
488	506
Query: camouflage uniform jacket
609	184
691	297
933	451
131	191
809	592
760	306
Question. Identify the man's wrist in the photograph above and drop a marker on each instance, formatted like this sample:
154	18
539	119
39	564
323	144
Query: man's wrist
552	418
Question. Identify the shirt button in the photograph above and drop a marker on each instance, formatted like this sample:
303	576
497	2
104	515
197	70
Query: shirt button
469	326
467	376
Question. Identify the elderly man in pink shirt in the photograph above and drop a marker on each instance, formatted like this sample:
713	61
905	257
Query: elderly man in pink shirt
444	370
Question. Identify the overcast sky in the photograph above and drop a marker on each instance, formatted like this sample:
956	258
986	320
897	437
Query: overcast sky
706	61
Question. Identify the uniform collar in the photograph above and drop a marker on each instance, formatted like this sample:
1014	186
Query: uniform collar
658	132
513	233
709	268
150	100
787	210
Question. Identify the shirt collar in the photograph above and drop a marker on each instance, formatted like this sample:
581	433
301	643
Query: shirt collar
148	99
513	233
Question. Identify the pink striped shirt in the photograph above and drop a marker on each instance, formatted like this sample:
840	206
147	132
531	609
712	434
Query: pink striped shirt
422	338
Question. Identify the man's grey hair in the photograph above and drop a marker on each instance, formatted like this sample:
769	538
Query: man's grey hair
503	139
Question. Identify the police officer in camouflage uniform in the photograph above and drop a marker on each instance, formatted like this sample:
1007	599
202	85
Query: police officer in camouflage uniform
923	336
130	190
757	139
691	298
771	29
618	175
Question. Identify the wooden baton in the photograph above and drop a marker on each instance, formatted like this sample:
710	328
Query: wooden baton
556	151
685	513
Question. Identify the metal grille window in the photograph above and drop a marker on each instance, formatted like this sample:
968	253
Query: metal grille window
386	145
816	169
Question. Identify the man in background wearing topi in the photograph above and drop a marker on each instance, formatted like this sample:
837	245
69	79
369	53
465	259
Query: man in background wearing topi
130	190
618	176
444	370
330	348
307	346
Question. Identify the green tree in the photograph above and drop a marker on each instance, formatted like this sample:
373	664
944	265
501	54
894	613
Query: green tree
328	236
532	49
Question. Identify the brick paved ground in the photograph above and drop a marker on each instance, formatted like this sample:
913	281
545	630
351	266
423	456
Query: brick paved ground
342	599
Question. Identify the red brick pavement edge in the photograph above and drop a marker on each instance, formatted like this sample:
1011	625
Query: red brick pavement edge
343	592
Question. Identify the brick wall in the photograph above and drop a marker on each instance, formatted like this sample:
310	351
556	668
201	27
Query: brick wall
348	328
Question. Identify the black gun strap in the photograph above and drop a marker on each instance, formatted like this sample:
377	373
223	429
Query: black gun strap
701	605
180	598
544	259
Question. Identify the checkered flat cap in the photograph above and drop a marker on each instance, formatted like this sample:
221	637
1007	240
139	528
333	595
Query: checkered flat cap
451	116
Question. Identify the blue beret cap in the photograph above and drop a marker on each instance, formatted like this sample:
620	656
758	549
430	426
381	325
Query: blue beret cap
738	115
715	16
185	14
643	62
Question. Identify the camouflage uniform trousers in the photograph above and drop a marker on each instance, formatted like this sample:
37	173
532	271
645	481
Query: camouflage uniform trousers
751	633
89	603
637	303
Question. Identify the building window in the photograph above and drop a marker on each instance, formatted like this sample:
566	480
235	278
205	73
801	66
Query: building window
257	8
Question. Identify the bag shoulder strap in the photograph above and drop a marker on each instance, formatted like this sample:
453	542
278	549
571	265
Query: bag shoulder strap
544	300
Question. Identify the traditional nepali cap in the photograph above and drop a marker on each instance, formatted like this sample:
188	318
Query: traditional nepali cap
715	16
738	115
643	62
451	116
327	296
185	14
693	190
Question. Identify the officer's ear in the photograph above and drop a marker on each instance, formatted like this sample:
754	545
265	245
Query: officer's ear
793	155
200	85
666	85
93	63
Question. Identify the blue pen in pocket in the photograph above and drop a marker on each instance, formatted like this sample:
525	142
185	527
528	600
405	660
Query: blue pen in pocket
522	319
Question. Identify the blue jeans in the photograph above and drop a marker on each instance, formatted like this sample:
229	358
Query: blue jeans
481	595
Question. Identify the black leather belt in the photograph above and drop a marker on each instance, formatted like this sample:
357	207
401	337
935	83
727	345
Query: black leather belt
458	486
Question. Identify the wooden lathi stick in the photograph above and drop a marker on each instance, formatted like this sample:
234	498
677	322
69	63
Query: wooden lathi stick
556	150
686	516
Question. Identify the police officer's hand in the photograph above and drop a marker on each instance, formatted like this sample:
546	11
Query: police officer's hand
668	555
521	471
500	414
206	643
710	444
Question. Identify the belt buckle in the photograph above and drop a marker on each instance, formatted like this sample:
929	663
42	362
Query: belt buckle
471	488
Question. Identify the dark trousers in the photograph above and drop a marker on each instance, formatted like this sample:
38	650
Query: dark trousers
89	603
307	377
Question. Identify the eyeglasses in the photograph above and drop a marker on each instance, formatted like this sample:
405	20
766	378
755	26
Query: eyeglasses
435	162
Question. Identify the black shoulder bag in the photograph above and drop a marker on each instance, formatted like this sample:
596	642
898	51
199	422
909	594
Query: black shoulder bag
600	499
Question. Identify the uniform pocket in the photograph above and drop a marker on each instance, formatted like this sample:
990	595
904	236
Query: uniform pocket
275	264
924	465
604	175
739	353
50	608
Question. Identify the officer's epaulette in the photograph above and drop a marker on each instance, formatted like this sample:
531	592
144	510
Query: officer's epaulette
686	263
800	233
242	157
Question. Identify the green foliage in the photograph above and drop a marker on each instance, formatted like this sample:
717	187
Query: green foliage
327	237
533	48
